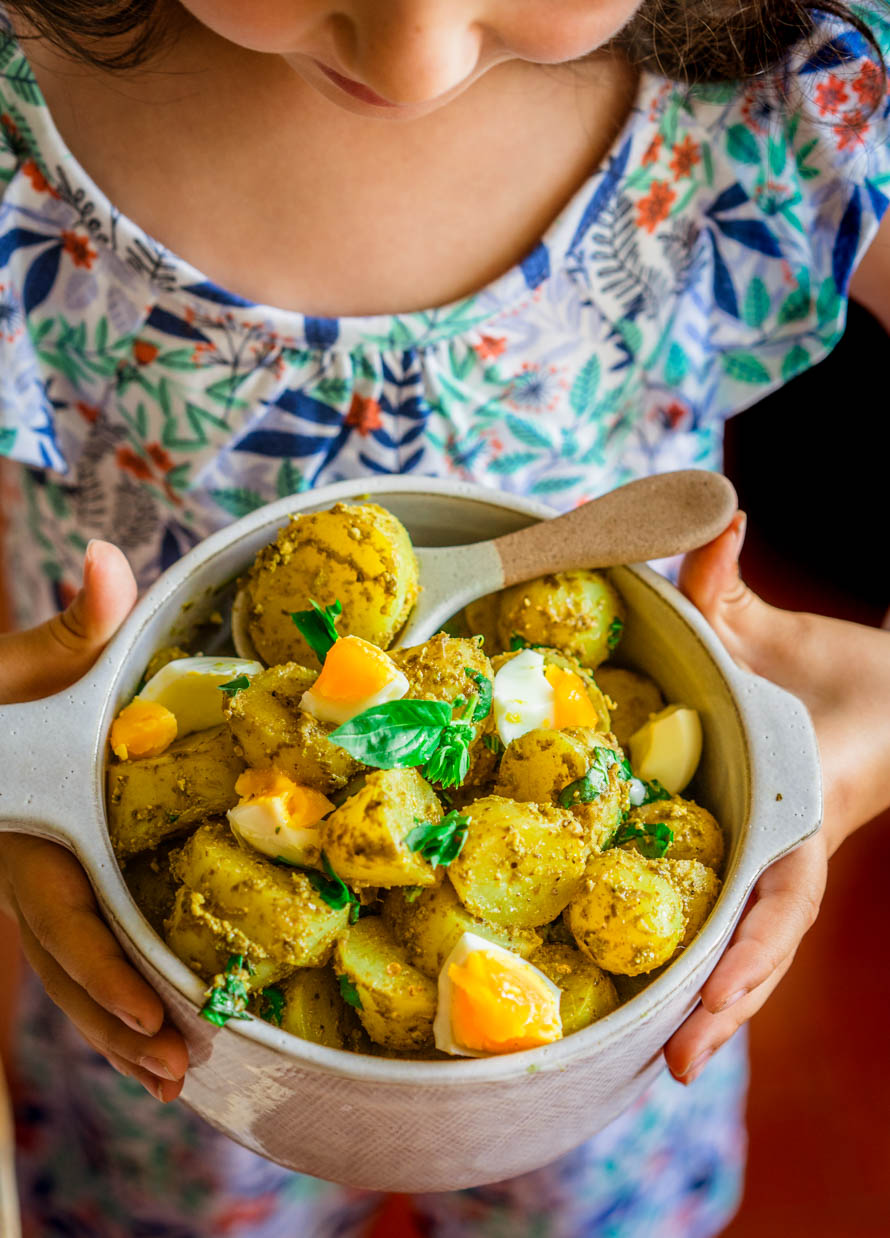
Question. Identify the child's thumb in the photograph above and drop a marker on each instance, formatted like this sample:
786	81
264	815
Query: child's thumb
48	658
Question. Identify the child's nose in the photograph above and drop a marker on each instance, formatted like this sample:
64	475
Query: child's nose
413	51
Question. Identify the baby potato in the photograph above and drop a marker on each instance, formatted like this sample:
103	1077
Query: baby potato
636	696
364	839
151	884
697	834
520	864
398	1002
430	926
588	993
697	886
205	943
152	798
626	917
314	1009
481	619
359	555
578	612
274	905
269	727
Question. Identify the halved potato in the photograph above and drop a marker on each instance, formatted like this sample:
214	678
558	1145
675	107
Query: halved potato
205	942
397	1002
314	1008
588	993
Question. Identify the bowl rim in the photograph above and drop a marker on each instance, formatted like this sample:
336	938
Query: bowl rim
584	1044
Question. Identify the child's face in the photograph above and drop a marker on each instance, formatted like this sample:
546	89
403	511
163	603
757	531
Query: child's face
404	58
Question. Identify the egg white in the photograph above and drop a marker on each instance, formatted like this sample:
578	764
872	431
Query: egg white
263	824
189	688
522	696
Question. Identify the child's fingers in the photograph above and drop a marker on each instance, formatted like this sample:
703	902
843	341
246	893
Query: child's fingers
56	901
163	1055
163	1090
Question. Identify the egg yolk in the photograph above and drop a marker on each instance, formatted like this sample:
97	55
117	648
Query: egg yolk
571	704
142	729
499	1008
304	805
353	669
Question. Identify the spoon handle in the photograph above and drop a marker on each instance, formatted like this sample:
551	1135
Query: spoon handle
656	516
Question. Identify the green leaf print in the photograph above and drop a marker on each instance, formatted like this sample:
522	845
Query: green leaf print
102	334
361	366
223	392
511	462
289	481
527	434
39	330
237	501
796	361
676	366
21	79
56	500
795	306
804	170
177	359
757	303
716	92
828	303
460	365
331	391
584	388
7	439
777	155
741	144
745	367
631	334
552	485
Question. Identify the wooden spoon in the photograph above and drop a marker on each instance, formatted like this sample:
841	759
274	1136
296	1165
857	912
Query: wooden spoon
651	518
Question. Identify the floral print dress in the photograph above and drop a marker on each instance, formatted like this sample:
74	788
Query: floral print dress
702	265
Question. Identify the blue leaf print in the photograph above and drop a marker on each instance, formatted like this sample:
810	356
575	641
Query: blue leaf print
724	291
299	404
752	234
879	201
412	462
41	277
385	439
321	333
170	324
602	195
847	46
843	255
219	296
728	200
18	238
535	266
280	443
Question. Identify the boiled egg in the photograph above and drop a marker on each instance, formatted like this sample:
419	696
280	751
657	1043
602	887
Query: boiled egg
190	689
668	747
279	817
142	729
528	694
492	1001
356	676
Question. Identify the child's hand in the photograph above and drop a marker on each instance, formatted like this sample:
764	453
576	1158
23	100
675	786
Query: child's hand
42	885
841	671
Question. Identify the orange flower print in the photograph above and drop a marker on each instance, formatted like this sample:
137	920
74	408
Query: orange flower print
37	179
154	469
851	130
79	248
869	85
490	346
364	414
686	156
130	462
144	352
89	412
831	95
652	151
652	209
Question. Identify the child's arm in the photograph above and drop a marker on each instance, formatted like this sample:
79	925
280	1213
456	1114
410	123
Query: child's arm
43	887
841	671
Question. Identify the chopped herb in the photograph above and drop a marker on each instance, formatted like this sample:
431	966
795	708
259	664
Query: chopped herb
172	817
349	993
595	781
234	686
654	839
494	743
412	893
439	842
519	642
317	627
450	762
227	996
654	791
616	628
272	1007
335	892
483	701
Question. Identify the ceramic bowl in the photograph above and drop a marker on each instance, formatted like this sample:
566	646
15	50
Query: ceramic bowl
382	1123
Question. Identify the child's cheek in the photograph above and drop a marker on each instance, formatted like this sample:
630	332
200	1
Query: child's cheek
276	26
543	33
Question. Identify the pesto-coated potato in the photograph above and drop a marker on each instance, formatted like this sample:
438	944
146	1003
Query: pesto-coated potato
697	886
430	925
314	1009
635	697
359	555
398	1002
480	618
151	884
205	942
626	917
364	839
269	727
588	993
276	906
152	798
520	864
575	612
697	835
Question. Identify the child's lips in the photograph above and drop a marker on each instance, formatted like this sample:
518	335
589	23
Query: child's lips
356	89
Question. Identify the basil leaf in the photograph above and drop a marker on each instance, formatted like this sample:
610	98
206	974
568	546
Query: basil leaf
234	686
450	762
349	993
272	1005
654	838
494	744
439	842
394	735
483	702
317	627
227	997
335	892
654	791
594	782
616	628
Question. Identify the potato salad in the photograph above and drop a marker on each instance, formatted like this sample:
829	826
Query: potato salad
473	846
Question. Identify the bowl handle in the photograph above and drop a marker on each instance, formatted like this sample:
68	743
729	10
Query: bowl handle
786	784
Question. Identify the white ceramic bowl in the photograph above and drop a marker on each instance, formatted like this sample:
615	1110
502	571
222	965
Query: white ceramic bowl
382	1123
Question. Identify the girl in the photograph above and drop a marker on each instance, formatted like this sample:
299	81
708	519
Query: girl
221	228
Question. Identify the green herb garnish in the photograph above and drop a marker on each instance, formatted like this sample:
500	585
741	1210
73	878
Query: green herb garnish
317	627
654	791
519	642
616	628
411	893
227	996
595	781
483	701
272	1005
450	762
439	842
349	993
234	686
335	892
654	839
411	733
494	743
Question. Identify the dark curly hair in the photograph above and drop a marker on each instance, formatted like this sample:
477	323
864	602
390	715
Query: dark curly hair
687	40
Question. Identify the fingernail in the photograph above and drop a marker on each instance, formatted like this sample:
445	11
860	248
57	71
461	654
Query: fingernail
741	525
157	1067
131	1021
730	1001
695	1068
154	1087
